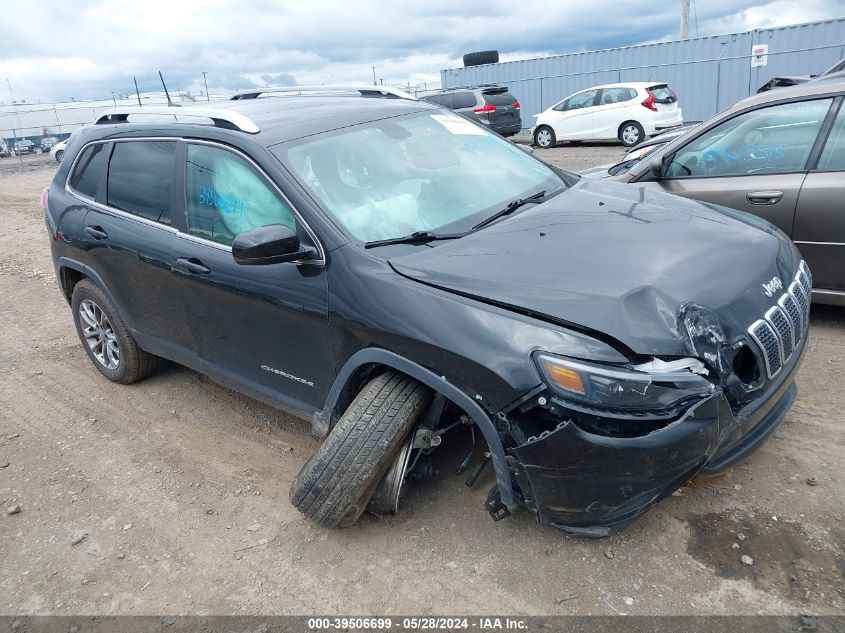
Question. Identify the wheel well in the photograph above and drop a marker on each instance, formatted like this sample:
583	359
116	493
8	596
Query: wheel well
69	277
378	359
362	375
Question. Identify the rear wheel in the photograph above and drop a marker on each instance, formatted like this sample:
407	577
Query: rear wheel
60	155
544	137
106	338
334	487
631	133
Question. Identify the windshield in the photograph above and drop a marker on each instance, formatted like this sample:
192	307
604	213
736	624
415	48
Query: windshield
421	172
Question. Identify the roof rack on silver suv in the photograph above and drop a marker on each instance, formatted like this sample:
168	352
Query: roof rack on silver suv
364	90
219	118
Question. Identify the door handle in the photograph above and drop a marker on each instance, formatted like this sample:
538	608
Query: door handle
192	266
764	197
96	232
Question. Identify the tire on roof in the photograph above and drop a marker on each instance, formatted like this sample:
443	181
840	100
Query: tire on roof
481	57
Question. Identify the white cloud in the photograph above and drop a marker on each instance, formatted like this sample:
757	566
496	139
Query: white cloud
88	48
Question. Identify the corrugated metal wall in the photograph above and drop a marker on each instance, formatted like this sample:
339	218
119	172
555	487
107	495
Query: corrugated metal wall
709	73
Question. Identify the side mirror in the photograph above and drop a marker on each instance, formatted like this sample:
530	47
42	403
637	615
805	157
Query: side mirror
655	165
525	148
272	244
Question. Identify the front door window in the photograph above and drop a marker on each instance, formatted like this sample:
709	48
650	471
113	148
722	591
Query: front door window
772	140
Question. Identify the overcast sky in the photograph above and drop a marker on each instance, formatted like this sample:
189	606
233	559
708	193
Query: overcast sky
53	50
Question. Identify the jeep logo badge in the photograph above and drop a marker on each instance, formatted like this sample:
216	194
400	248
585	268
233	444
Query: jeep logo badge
771	287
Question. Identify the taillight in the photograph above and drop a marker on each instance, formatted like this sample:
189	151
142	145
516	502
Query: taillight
516	105
44	193
649	103
486	108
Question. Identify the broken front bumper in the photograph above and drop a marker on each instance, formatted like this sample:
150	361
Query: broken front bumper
593	485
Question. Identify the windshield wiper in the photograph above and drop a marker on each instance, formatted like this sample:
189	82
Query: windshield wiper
415	237
513	205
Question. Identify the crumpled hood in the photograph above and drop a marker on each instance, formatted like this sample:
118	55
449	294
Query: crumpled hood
619	260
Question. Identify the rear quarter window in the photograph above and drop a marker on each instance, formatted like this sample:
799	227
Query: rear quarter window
463	100
441	100
86	171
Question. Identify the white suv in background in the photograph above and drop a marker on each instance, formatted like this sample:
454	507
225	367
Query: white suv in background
627	111
57	151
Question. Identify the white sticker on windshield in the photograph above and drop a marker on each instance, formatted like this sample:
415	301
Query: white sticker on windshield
458	125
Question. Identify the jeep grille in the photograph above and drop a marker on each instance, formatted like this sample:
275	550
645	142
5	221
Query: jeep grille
779	333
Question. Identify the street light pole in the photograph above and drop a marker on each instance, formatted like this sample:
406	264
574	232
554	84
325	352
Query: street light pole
207	98
14	105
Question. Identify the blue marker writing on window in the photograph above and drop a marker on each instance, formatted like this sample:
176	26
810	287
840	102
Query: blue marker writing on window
230	205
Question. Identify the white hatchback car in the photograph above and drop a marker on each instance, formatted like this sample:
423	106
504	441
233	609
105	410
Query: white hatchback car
627	111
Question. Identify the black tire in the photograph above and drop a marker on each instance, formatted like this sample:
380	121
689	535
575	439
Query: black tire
133	363
60	155
544	137
626	133
336	484
481	57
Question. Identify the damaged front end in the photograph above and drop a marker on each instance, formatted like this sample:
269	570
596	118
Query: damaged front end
596	445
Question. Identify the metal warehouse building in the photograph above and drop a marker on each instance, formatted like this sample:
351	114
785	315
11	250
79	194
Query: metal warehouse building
709	73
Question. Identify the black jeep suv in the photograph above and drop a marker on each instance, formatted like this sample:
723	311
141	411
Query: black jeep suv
387	269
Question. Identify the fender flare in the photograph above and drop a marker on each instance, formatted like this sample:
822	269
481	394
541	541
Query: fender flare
322	419
90	273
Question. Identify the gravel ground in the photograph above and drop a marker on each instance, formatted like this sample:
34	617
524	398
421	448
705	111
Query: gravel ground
170	496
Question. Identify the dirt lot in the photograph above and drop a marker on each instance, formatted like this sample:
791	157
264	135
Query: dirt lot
178	491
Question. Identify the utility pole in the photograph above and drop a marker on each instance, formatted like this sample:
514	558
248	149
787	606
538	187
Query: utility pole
14	107
113	99
375	83
685	19
207	98
15	135
138	94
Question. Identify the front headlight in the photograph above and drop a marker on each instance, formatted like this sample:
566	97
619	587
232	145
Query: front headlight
654	386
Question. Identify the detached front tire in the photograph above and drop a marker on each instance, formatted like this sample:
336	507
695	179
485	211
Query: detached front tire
336	484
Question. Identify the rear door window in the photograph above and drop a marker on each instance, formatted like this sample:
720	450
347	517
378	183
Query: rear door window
616	95
227	196
140	179
86	172
772	140
833	154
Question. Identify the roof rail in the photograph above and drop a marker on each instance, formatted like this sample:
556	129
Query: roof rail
365	90
472	87
219	118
